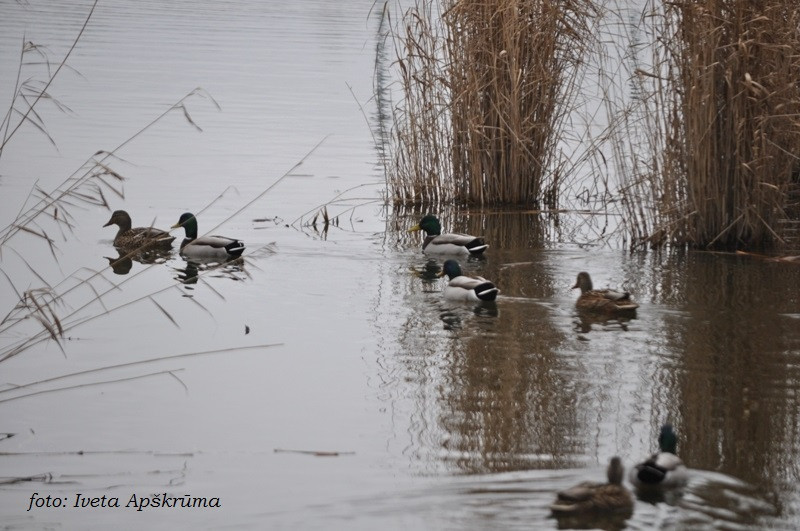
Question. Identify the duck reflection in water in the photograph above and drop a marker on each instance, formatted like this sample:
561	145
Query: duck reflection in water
585	320
190	274
123	262
428	272
431	271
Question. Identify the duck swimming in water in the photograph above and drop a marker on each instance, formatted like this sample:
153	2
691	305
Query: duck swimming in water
464	288
664	469
437	243
215	247
139	237
606	301
592	497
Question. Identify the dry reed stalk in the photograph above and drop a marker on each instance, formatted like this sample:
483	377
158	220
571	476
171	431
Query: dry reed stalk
487	87
27	94
55	306
739	67
722	105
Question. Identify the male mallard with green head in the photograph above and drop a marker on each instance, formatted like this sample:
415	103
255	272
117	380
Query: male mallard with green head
607	301
140	237
437	243
463	288
588	496
218	247
664	469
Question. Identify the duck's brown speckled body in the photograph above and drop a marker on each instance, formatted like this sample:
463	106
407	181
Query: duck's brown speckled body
606	301
593	497
139	237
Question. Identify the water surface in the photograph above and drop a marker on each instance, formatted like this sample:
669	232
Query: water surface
344	392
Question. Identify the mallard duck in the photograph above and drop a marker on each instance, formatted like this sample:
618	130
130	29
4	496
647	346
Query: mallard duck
606	301
464	288
664	469
437	243
588	496
140	237
220	247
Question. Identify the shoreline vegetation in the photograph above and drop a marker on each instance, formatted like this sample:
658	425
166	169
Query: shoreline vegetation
701	103
487	92
706	145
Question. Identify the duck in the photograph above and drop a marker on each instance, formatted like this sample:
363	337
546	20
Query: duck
437	243
607	301
217	247
664	469
463	288
593	497
140	237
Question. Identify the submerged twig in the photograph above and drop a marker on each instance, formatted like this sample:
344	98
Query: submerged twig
316	453
140	362
92	384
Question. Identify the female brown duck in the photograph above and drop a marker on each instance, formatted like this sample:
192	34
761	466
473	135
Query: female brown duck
606	301
140	237
592	497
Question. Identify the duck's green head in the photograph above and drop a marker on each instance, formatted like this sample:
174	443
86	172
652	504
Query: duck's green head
451	269
189	224
667	440
430	224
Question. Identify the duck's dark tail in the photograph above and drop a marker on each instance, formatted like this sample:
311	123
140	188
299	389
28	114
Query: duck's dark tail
477	246
650	473
235	248
486	291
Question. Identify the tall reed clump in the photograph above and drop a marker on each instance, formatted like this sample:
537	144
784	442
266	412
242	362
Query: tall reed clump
726	79
487	87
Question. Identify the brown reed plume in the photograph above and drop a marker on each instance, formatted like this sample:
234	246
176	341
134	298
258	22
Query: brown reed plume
487	88
723	110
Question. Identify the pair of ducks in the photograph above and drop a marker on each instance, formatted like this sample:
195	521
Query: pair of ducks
460	287
465	288
215	247
663	470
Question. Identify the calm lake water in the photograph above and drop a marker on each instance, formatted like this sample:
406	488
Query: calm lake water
343	391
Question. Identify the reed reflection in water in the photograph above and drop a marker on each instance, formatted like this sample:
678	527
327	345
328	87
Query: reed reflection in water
736	367
533	384
499	398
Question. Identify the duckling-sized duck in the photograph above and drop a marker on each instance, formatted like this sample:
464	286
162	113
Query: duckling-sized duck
218	247
607	301
592	497
437	243
140	237
464	288
664	469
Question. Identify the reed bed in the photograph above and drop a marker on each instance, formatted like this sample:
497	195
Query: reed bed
718	115
702	103
487	88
